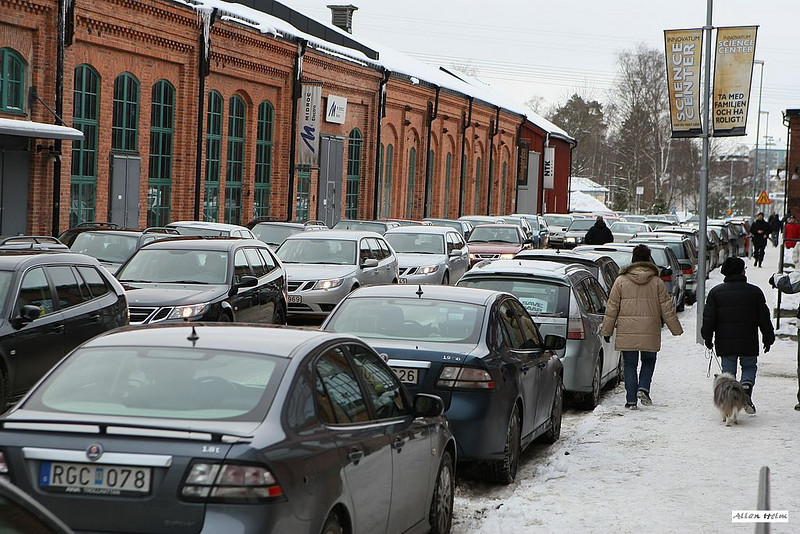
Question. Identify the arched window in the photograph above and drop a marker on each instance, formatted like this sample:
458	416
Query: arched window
448	169
463	188
162	129
412	171
235	163
83	172
12	81
492	190
126	113
388	171
503	191
213	155
354	142
429	183
266	120
477	186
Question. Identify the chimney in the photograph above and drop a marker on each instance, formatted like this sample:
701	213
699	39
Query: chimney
342	17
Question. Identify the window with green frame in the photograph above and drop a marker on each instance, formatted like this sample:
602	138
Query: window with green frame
477	186
235	163
354	142
379	185
303	193
12	81
503	191
213	156
429	183
266	118
463	188
448	169
126	113
490	195
83	170
162	129
388	172
412	171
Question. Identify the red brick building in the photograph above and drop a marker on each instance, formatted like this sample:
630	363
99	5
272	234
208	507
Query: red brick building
793	158
184	111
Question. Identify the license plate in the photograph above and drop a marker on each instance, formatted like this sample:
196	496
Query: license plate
94	479
295	299
403	280
407	375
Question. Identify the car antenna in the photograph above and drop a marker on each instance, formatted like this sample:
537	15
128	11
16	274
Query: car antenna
193	337
419	292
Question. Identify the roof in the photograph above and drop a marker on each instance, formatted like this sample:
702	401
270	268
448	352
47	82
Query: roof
421	229
466	295
580	201
562	256
550	269
39	130
344	235
203	243
585	185
12	258
204	224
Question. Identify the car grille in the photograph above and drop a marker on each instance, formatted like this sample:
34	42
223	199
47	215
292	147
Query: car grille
408	271
141	315
487	256
301	285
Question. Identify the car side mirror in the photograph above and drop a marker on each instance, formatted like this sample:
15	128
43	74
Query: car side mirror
370	262
554	342
244	281
455	252
27	314
665	271
527	241
426	405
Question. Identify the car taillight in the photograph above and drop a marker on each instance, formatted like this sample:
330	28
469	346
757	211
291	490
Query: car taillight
464	377
3	466
688	271
666	278
239	483
575	328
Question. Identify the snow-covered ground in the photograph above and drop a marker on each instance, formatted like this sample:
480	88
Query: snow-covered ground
670	467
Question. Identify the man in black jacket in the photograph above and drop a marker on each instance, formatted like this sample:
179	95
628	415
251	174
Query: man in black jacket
760	231
734	313
599	234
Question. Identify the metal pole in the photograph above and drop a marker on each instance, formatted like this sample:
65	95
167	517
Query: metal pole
763	498
758	124
701	260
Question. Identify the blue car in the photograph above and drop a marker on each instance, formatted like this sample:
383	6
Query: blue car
479	350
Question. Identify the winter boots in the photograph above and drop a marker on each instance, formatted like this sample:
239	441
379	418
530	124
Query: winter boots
749	407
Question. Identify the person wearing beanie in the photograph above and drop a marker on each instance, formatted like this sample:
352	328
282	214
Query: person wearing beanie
760	231
734	313
637	307
599	234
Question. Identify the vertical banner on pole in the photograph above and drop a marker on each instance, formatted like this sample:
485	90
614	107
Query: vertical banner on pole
683	53
733	70
549	171
308	125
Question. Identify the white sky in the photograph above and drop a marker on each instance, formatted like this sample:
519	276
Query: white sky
530	48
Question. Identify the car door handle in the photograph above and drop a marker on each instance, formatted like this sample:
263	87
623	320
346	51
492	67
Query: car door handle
542	365
94	318
356	455
398	443
58	329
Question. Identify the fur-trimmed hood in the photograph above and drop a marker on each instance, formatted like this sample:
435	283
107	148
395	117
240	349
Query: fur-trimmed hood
640	272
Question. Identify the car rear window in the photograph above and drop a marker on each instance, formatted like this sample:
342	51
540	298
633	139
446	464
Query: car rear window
413	319
416	243
171	383
581	224
495	234
539	297
274	234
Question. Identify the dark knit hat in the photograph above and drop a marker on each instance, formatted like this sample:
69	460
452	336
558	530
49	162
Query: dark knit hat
732	266
641	253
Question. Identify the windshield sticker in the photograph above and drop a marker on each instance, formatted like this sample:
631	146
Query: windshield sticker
534	305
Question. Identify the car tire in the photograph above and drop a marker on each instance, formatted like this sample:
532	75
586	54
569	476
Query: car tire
332	524
279	317
441	514
592	399
505	471
446	279
224	317
690	299
556	413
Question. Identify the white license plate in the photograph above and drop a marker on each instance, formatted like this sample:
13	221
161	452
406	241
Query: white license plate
94	479
295	299
403	280
407	375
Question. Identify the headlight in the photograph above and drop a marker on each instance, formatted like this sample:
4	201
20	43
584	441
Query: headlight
329	284
506	256
428	269
187	312
569	239
473	256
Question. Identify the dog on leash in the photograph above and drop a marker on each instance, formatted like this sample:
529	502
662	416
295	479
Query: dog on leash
729	396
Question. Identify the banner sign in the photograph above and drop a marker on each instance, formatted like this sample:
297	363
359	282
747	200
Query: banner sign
308	124
733	70
549	169
522	162
683	53
336	109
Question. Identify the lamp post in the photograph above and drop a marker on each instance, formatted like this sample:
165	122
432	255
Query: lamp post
758	124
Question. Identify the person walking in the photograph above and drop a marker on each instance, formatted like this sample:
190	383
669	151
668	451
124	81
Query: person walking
599	234
637	307
760	230
775	227
734	313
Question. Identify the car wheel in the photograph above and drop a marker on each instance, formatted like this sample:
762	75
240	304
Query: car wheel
505	471
224	318
279	317
332	524
441	515
446	279
592	399
554	426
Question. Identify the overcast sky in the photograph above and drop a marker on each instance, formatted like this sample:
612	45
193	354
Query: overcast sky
530	48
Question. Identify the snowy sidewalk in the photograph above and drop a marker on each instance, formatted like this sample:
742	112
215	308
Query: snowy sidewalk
670	467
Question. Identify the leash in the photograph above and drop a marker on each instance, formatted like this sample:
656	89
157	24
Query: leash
711	355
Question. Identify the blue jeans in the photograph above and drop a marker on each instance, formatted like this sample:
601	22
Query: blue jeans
749	367
634	383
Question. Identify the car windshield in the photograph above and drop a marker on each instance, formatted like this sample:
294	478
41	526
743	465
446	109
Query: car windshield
112	248
452	224
330	251
164	382
408	243
581	224
365	226
627	228
274	234
557	220
622	257
495	234
540	297
414	319
209	232
176	266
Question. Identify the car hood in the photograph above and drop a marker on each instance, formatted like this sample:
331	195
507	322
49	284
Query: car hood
141	294
406	260
308	271
497	248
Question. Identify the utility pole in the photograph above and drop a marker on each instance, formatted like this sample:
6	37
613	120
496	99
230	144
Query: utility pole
703	237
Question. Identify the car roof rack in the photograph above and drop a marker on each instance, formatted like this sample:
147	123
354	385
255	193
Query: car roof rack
314	222
160	230
96	224
31	242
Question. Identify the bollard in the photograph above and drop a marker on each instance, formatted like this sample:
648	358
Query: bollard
763	498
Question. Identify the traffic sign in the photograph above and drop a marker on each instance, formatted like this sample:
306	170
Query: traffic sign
763	198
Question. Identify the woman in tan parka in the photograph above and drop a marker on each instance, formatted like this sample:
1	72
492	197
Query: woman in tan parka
637	307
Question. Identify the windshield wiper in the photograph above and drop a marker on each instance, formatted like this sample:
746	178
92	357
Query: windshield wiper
187	282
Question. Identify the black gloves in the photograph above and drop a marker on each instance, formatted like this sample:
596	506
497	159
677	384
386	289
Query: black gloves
772	280
607	339
766	348
709	344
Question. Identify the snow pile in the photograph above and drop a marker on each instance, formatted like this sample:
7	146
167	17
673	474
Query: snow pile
581	202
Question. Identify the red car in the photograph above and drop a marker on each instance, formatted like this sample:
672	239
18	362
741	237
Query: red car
496	241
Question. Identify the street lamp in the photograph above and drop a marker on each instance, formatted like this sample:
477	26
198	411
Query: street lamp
758	124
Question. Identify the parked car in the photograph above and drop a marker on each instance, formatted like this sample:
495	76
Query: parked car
205	279
576	232
557	224
482	219
273	233
541	233
521	222
684	251
68	236
500	381
407	222
716	251
624	231
211	229
463	227
31	242
51	302
655	224
365	226
729	241
22	514
602	266
428	254
565	300
323	267
633	218
223	428
113	247
496	241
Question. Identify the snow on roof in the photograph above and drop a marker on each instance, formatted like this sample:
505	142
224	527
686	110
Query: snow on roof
390	59
585	185
41	130
582	202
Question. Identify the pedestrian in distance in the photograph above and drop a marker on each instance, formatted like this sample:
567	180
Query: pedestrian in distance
775	227
637	307
760	230
734	313
599	234
789	283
